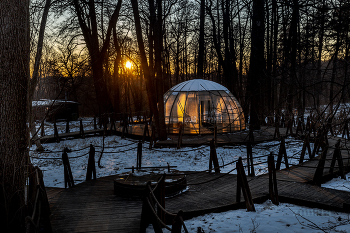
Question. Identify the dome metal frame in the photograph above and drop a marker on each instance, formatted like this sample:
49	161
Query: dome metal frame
199	105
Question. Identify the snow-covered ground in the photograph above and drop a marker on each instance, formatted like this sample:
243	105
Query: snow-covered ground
269	218
338	183
120	154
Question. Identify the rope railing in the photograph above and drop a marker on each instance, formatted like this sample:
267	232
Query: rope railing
48	152
113	147
216	178
116	152
154	197
175	151
41	208
202	149
153	210
73	157
156	216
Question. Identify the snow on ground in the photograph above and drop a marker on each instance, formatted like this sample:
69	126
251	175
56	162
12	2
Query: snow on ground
338	183
120	154
74	126
269	218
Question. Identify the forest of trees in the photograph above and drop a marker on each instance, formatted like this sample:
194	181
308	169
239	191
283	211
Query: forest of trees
275	56
290	55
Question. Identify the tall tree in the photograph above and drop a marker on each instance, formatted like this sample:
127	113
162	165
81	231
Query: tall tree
159	119
201	40
227	60
14	76
35	76
87	17
256	74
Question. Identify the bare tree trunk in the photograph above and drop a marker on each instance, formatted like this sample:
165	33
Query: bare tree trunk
151	91
257	63
334	73
159	74
116	81
292	44
274	61
34	80
88	24
319	57
201	40
14	76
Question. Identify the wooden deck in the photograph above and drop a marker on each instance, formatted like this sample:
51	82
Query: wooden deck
92	207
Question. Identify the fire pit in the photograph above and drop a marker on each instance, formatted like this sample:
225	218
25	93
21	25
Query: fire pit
133	184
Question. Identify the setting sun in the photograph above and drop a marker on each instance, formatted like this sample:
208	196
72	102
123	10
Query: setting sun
128	65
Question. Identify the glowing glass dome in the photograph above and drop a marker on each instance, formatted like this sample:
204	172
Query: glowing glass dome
200	105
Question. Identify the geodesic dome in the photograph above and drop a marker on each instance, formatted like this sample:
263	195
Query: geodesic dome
200	105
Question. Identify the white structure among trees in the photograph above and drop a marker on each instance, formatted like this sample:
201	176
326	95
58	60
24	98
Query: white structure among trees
200	105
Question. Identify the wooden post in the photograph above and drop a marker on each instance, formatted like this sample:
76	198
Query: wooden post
147	214
160	195
307	128
177	223
139	155
319	170
283	121
67	126
105	127
273	191
46	212
277	131
100	119
179	139
32	187
251	135
42	129
346	129
153	136
329	126
337	156
324	134
250	162
56	132
68	177
299	128
316	146
306	145
282	152
125	126
95	126
91	168
82	134
289	127
145	131
242	184
213	158
215	135
113	127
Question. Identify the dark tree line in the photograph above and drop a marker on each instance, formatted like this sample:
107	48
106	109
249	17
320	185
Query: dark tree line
275	56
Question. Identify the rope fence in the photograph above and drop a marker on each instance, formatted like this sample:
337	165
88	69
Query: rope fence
320	140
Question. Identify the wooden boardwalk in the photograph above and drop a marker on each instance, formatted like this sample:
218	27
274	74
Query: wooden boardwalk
92	207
